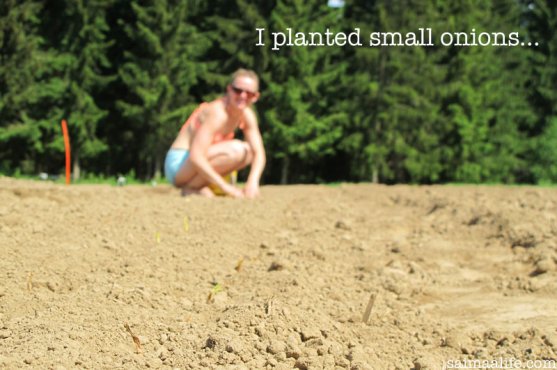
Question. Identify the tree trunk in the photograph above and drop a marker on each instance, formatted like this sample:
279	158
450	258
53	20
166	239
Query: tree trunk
374	174
284	170
147	169
76	171
376	123
158	167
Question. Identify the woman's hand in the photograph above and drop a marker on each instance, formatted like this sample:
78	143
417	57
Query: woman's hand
232	191
251	190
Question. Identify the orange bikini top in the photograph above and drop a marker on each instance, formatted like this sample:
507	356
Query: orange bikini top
196	123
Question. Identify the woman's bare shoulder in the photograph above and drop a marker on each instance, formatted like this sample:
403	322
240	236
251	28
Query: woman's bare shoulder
214	111
250	118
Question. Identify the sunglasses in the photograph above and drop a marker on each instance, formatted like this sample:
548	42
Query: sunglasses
239	91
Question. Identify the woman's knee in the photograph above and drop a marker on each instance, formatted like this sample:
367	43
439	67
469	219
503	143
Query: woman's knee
241	151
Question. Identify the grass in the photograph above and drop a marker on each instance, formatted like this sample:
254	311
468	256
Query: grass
93	179
88	179
540	185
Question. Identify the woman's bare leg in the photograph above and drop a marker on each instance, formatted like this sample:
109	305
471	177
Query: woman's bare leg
224	157
204	191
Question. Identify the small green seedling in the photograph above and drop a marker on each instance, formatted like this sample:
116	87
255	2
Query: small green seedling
217	288
186	224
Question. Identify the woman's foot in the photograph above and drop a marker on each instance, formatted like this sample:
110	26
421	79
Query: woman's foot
204	192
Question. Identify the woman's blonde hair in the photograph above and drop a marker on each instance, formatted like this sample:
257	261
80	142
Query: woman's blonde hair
242	72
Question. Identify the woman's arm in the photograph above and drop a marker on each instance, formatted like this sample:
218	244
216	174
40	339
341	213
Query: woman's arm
254	139
213	122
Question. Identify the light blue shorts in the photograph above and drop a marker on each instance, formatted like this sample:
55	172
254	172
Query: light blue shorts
175	158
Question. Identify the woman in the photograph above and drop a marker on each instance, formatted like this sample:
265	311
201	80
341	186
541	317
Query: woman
205	148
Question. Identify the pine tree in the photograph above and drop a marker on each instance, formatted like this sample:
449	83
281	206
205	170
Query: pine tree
300	125
76	37
231	26
541	18
159	68
20	136
394	134
483	96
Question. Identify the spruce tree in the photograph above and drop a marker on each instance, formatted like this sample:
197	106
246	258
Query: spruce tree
300	124
159	67
541	19
484	99
76	38
394	133
231	25
20	135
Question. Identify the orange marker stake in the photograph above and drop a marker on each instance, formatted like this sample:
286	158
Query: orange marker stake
67	147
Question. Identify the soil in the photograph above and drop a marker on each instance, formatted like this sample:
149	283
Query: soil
458	273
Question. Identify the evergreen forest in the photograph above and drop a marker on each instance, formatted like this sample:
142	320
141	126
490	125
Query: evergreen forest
127	74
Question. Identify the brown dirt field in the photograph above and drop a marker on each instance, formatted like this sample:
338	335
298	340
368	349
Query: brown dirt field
465	272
